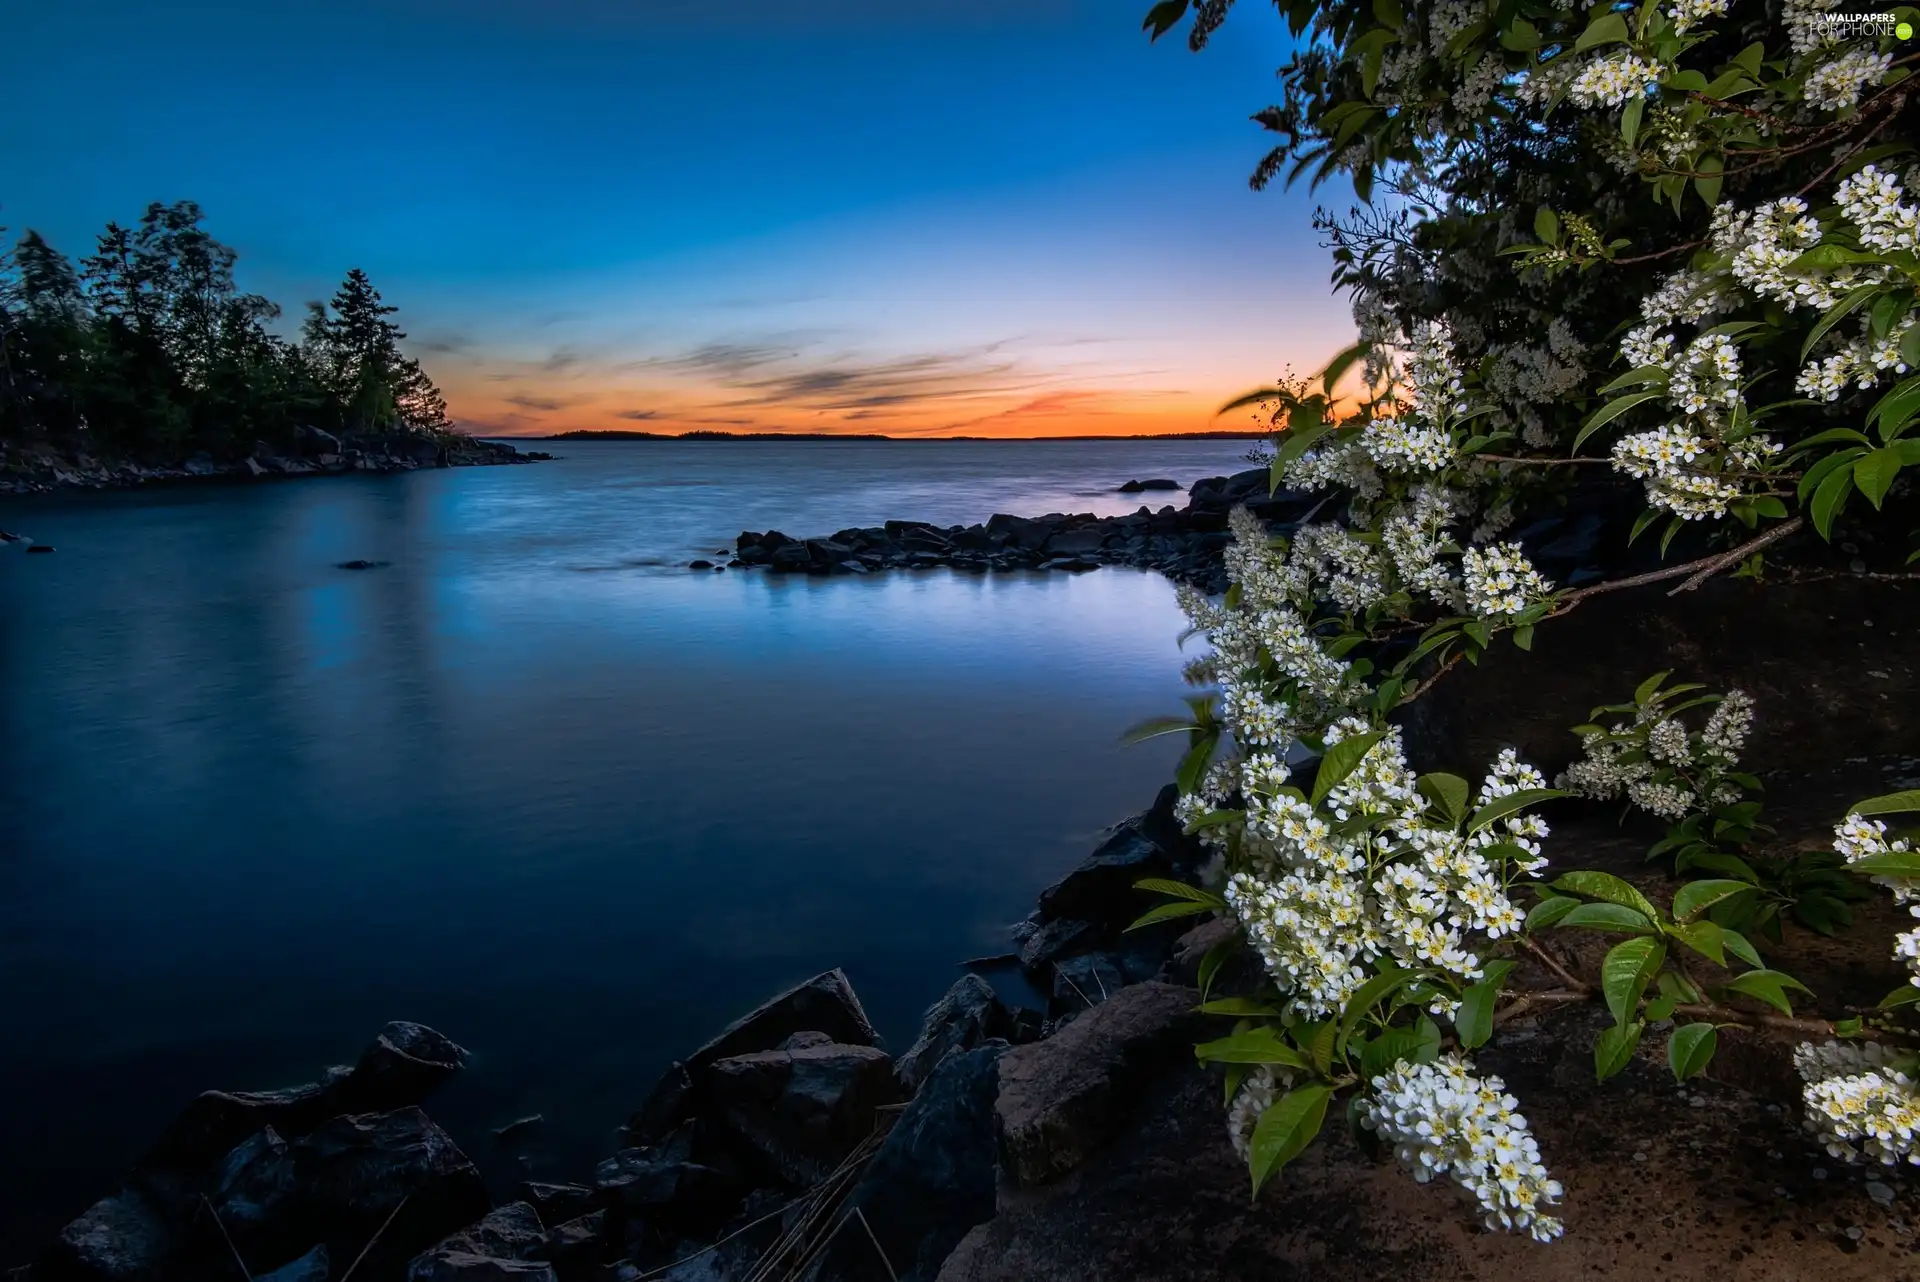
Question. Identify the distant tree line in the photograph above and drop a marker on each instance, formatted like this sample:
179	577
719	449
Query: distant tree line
147	349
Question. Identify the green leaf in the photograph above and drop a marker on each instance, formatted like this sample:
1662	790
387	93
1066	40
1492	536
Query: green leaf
1298	442
1604	885
1874	474
1180	890
1615	1048
1737	945
1707	178
1550	911
1341	760
1894	863
1892	803
1835	314
1634	377
1154	727
1341	363
1696	897
1370	994
1514	802
1905	995
1611	917
1822	469
1254	1046
1193	767
1215	958
1523	636
1415	1045
1690	1048
1473	1022
1608	28
1770	986
1447	792
1629	967
1610	411
1630	119
1645	690
1896	407
1162	16
1167	912
1238	1006
1828	499
1286	1128
1546	225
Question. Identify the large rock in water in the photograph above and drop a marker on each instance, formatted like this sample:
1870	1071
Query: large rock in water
968	1015
1062	1098
124	1238
801	1111
403	1065
931	1181
825	1004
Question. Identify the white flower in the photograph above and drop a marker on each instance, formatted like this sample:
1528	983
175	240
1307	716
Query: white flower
1610	80
1443	1120
1501	581
1858	1104
1836	85
1687	14
1870	200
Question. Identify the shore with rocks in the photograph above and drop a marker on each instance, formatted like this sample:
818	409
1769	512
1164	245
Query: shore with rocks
28	469
1184	543
1062	1133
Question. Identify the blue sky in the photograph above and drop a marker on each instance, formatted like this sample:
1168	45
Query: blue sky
917	217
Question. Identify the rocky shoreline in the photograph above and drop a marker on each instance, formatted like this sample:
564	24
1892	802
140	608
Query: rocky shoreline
789	1146
39	470
1184	543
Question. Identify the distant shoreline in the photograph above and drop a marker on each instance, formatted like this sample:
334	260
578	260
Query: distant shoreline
617	435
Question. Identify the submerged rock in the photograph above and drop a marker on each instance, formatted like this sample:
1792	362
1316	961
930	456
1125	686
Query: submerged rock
1157	483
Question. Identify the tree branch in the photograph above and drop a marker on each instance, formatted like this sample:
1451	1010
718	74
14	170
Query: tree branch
1695	572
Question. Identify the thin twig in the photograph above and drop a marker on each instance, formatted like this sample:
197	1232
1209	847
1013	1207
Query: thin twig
219	1224
1453	661
875	1238
1716	564
375	1238
1709	564
1076	988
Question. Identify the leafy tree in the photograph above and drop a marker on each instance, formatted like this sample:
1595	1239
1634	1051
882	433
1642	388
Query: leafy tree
150	349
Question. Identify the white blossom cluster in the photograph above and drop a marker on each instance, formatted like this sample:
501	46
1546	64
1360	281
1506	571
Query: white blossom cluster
1859	1103
1672	461
1688	14
1806	30
1836	85
1413	540
1609	81
1442	1119
1870	200
1345	464
1629	759
1765	241
1255	1096
1400	447
1321	904
1500	581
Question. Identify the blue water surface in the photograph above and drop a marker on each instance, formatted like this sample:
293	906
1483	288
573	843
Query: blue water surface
534	782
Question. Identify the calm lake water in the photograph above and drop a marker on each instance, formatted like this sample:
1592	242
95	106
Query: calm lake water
534	783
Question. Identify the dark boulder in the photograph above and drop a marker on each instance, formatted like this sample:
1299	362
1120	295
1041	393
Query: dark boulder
700	565
1021	532
1101	889
1050	941
1073	564
799	1112
557	1202
207	1129
1061	1099
406	1063
968	1015
827	551
40	547
358	564
579	1244
668	1188
825	1004
509	1243
1085	981
789	557
1157	483
124	1238
932	1180
354	1171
